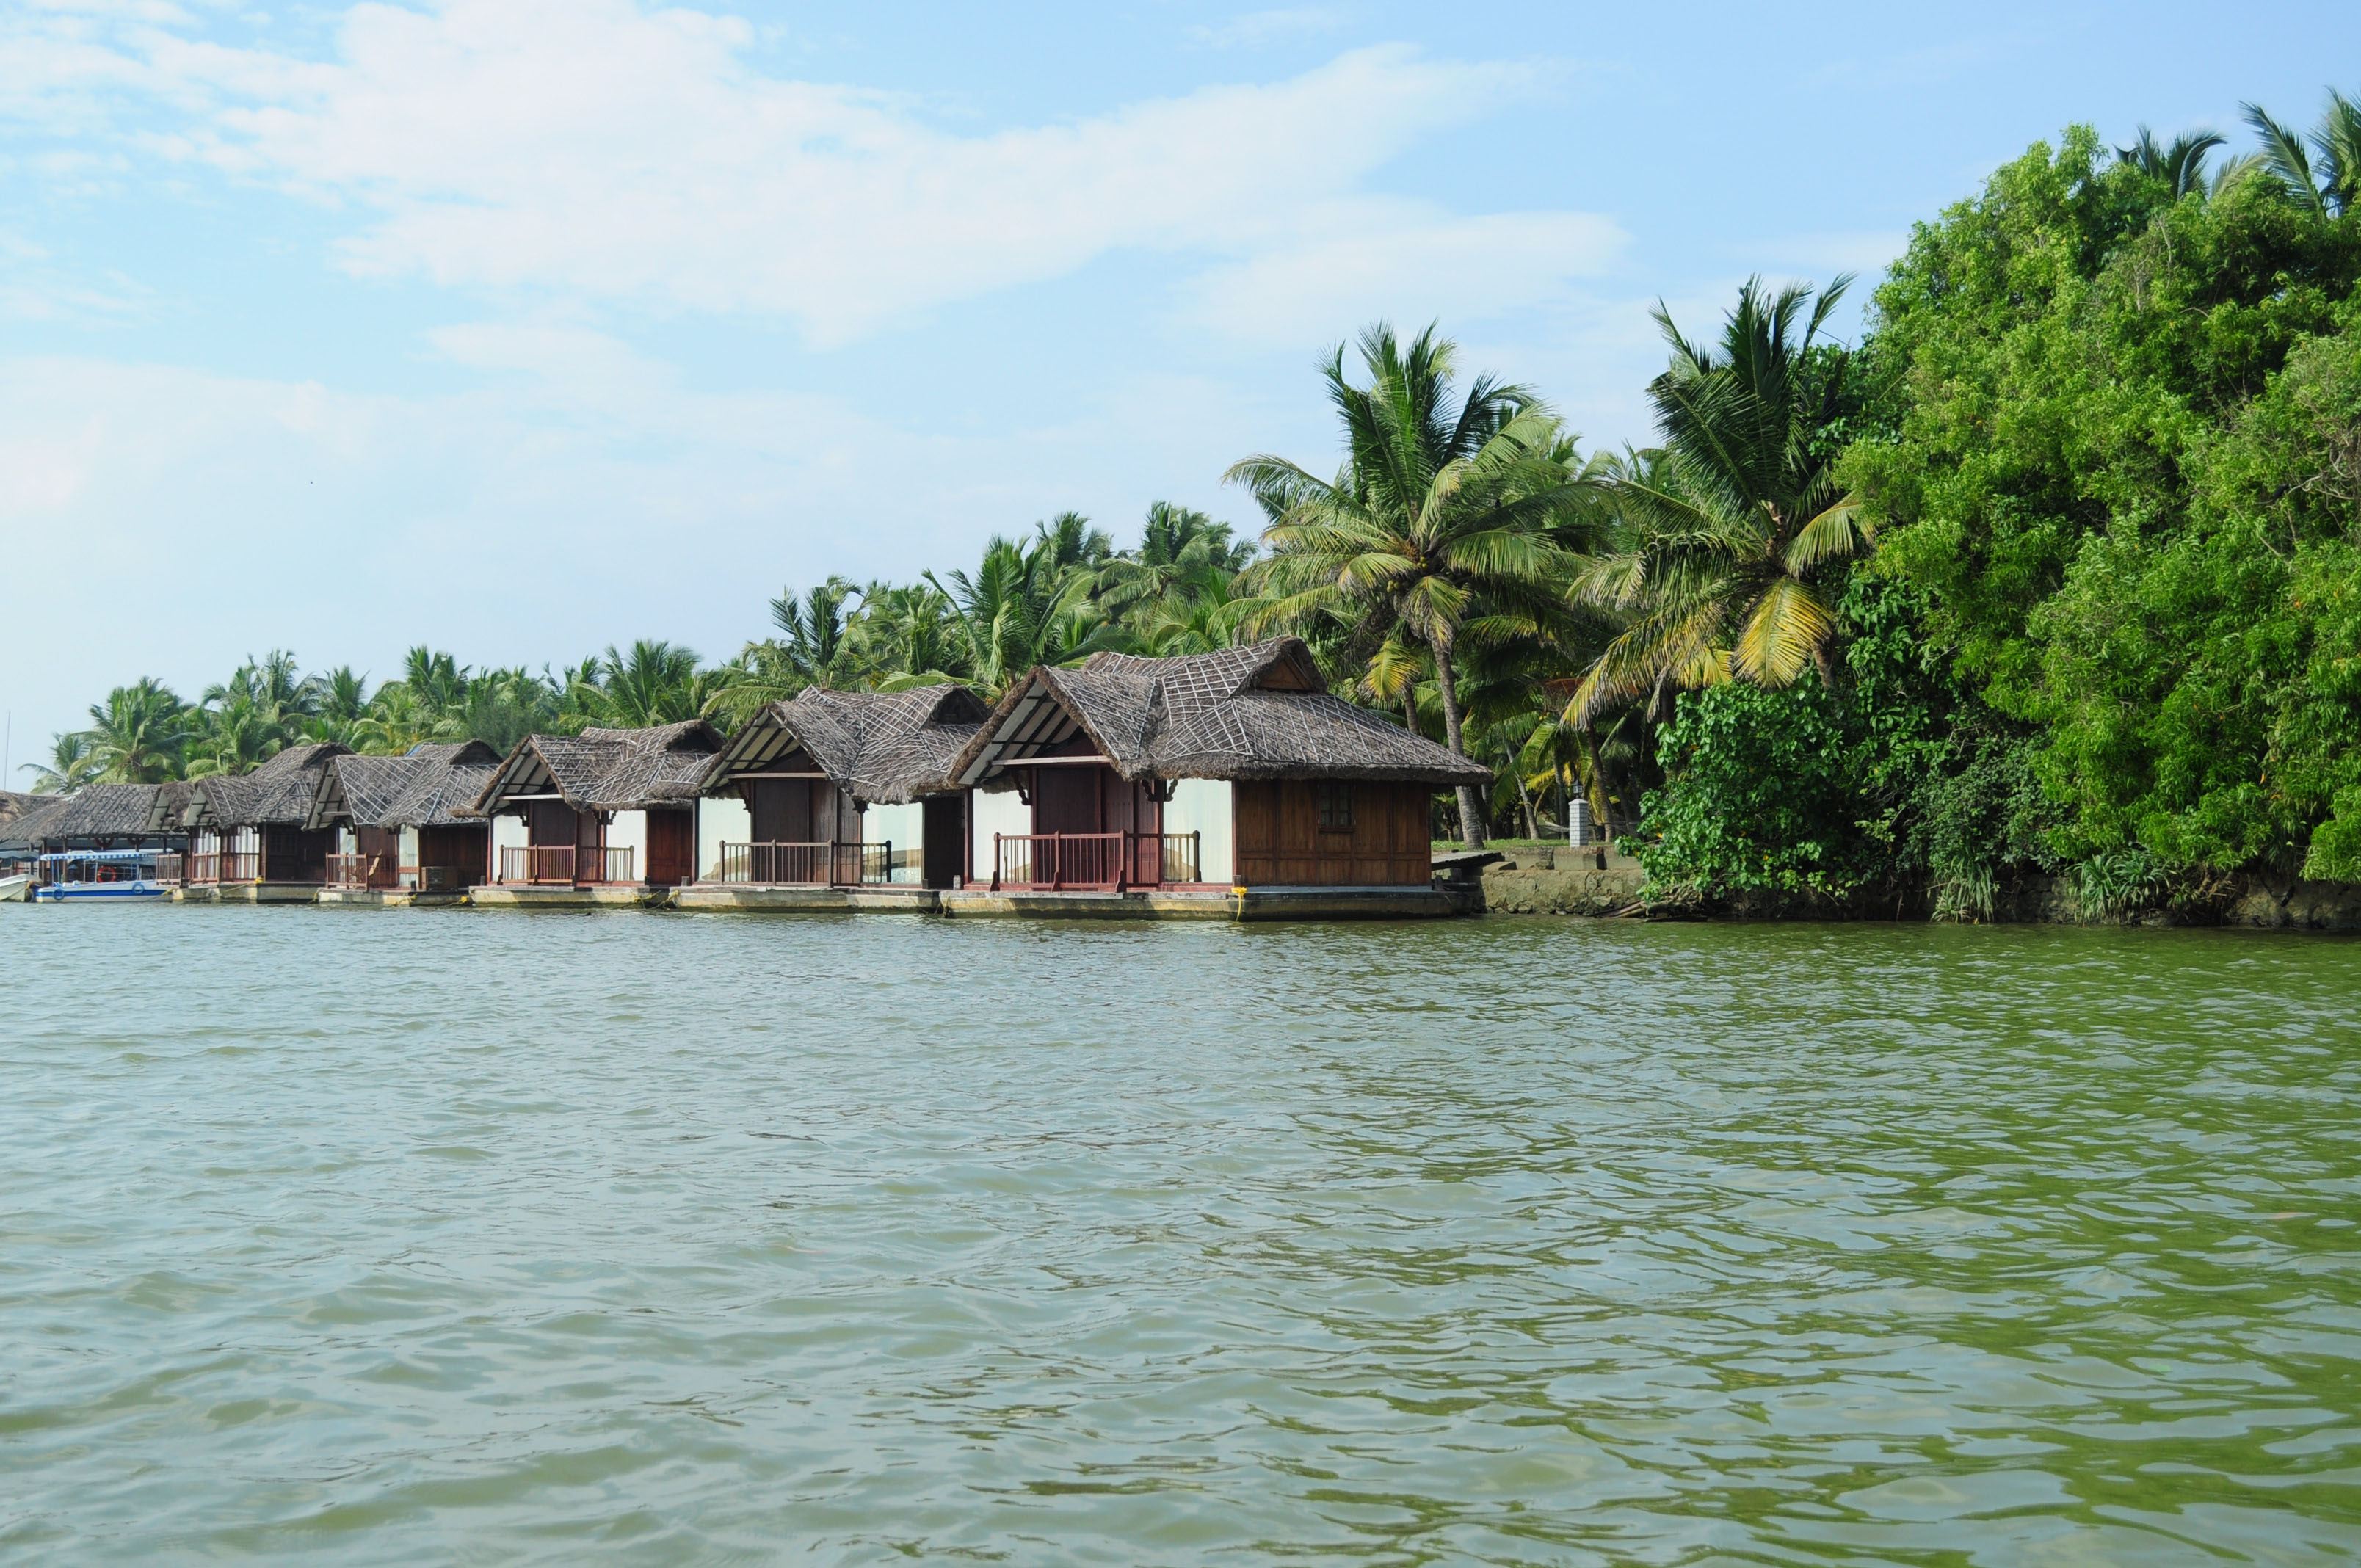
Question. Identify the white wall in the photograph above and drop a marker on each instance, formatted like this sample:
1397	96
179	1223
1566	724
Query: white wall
721	819
409	846
905	827
508	833
629	830
1203	807
1004	812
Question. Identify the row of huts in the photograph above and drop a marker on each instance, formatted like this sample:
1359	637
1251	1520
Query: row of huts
1152	783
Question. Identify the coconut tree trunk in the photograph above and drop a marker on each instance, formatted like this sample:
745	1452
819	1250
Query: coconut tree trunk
1471	816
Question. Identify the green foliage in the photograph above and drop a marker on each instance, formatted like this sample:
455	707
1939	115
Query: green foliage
2125	480
1758	799
1898	777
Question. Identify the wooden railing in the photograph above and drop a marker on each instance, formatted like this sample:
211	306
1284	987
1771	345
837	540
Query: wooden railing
564	864
818	863
204	866
240	865
354	871
169	870
1105	863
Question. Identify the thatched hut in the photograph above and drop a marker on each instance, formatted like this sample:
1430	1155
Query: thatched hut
254	828
396	818
1235	768
101	817
843	788
607	808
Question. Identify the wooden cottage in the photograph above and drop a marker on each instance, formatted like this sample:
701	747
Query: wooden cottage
604	808
842	789
396	818
255	828
1234	769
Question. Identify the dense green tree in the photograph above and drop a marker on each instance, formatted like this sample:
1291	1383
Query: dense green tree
2120	476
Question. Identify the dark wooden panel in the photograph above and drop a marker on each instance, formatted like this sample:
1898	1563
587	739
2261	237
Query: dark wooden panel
945	817
672	848
459	850
1070	799
1281	843
550	824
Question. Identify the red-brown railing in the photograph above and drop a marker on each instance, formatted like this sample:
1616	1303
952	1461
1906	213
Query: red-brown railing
818	863
565	865
356	870
204	866
1107	862
244	865
168	869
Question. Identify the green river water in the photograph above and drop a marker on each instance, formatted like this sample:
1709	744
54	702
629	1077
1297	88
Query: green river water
436	1236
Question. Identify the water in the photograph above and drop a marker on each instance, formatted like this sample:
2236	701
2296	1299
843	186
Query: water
431	1236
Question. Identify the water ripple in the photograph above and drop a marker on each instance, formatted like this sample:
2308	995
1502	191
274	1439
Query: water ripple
432	1238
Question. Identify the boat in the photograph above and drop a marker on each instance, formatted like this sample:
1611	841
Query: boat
77	874
12	889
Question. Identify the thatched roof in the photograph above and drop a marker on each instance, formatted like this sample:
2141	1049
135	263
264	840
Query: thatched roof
101	811
879	748
1262	712
606	770
277	794
15	804
420	788
32	826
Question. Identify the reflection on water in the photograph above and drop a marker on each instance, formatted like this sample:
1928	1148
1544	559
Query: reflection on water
423	1236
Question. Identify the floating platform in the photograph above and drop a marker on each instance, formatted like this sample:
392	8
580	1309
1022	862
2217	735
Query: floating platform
632	897
391	898
250	892
710	896
1238	903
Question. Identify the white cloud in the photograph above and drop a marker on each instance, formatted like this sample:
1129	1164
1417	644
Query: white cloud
1407	261
595	150
584	496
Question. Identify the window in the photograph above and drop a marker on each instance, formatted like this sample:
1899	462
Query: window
1335	806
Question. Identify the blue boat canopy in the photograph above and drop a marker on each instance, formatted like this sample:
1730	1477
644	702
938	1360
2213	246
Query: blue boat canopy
107	855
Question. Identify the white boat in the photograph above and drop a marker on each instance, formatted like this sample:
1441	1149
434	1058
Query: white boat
77	874
12	889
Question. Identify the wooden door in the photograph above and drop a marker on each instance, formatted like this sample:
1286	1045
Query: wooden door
672	848
944	820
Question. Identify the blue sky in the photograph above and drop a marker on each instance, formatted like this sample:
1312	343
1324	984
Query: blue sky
521	327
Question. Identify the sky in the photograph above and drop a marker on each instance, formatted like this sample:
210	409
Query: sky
524	327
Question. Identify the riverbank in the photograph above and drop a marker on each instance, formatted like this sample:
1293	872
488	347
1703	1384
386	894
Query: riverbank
1551	879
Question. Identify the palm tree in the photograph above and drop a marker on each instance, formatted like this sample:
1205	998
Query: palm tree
1734	517
814	649
72	765
655	683
2181	165
1030	606
1180	549
272	702
138	734
903	636
2335	187
1441	515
